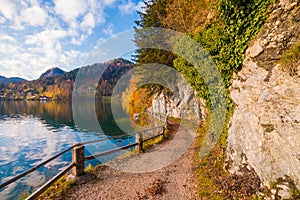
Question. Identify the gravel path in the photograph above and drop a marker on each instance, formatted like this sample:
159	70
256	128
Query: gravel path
176	181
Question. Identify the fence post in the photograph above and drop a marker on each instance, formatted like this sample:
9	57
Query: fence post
139	140
165	133
78	159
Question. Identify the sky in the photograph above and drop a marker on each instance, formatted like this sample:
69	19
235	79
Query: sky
36	35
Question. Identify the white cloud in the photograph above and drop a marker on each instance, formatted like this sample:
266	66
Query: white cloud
109	30
45	39
109	2
25	63
8	9
70	10
17	25
140	6
130	7
5	37
8	49
81	17
33	40
36	35
97	9
99	42
70	56
88	23
79	40
2	20
35	16
19	12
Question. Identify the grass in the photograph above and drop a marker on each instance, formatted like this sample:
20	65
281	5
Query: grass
57	189
150	143
89	168
290	59
127	153
53	192
287	181
214	181
208	189
24	195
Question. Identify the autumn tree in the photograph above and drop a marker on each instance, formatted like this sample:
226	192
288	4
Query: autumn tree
186	16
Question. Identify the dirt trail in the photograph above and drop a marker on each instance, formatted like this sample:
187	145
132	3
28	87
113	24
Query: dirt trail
174	182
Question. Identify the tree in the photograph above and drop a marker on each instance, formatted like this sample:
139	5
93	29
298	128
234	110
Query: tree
186	16
2	86
154	11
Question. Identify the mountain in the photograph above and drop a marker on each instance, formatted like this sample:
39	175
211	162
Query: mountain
56	85
6	81
55	71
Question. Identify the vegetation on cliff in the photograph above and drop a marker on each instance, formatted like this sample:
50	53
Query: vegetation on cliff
223	28
290	60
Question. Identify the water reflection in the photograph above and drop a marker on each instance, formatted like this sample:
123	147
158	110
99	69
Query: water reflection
34	131
53	113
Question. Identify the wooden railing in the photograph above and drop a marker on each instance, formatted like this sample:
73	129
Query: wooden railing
78	158
158	116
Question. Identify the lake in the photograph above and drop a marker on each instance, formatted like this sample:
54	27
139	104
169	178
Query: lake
33	131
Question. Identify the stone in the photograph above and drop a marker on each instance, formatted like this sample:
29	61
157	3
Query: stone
265	127
291	6
285	3
284	192
174	105
273	191
254	50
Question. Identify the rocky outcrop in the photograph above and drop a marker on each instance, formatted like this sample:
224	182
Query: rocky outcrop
179	104
265	128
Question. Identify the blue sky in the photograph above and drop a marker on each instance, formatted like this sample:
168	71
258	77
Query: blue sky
36	35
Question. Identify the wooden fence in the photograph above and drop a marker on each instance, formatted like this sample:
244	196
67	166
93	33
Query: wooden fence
158	116
78	158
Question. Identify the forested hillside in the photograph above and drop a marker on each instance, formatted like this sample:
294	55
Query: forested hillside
60	87
5	81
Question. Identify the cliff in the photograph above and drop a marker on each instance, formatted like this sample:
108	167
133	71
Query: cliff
179	104
265	127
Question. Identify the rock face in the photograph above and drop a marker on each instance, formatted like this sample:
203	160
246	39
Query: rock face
175	105
265	128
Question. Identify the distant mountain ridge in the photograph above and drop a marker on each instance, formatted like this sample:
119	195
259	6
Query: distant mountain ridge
6	81
56	84
55	71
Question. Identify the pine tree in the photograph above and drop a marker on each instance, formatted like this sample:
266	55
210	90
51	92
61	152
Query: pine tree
154	11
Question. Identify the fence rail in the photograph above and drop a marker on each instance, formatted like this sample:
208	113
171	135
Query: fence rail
38	192
78	158
159	116
36	167
110	151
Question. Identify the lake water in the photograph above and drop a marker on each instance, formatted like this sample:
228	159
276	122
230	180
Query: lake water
31	132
